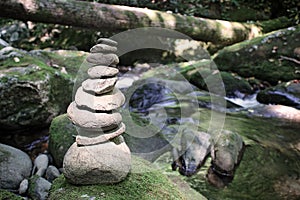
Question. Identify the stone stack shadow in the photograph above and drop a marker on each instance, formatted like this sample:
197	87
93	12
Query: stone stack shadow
99	154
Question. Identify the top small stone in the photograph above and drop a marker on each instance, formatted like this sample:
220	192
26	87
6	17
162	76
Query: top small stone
107	41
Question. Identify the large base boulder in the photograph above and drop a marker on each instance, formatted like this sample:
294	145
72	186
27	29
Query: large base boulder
108	162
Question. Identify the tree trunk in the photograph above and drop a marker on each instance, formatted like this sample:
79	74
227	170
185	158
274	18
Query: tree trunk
120	18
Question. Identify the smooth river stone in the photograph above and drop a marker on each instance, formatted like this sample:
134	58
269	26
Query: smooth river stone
102	71
99	86
103	48
107	41
105	163
90	120
106	102
103	59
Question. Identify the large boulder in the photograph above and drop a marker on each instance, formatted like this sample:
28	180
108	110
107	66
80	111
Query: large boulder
35	86
270	57
15	165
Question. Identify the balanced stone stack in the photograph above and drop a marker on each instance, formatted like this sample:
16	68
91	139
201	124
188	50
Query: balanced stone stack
99	154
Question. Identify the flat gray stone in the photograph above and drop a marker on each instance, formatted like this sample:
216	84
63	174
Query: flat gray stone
101	137
99	86
90	120
107	41
103	59
103	48
97	164
102	71
106	102
15	166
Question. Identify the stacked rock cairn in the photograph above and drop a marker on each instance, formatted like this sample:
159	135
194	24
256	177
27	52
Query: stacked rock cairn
99	155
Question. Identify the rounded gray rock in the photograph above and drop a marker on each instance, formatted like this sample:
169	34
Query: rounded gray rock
103	59
90	120
99	86
40	164
15	166
107	102
103	48
23	186
52	173
102	71
97	164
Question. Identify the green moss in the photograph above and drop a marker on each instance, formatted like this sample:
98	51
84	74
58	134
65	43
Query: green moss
260	57
6	195
151	184
61	137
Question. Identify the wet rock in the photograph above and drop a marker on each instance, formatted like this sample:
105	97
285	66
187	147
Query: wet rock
195	146
226	153
51	173
287	94
15	166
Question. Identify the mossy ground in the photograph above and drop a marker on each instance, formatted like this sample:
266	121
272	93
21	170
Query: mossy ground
143	183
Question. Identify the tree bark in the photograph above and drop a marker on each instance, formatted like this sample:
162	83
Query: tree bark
120	18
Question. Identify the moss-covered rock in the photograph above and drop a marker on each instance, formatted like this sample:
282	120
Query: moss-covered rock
62	133
35	86
265	58
144	182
